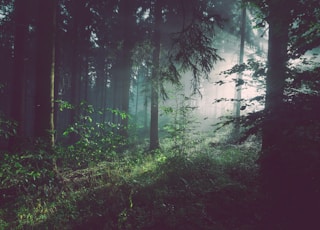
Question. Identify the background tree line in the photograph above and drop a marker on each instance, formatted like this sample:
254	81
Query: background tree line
83	51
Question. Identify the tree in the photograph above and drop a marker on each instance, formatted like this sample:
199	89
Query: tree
18	94
44	89
77	8
286	23
122	68
239	79
6	51
279	21
286	166
154	137
79	42
185	36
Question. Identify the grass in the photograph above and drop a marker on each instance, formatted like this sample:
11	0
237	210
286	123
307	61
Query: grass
213	188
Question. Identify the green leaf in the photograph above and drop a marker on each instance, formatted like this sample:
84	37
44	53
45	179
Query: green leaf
17	165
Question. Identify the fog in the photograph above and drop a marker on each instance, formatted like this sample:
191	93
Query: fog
216	97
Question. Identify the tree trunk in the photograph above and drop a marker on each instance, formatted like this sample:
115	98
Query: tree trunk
44	91
279	16
127	25
78	37
18	83
86	79
101	82
239	80
154	136
125	87
275	172
75	64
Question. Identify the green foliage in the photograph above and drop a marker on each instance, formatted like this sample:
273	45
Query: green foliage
192	50
300	100
27	172
256	68
28	181
195	192
211	188
3	223
43	213
169	191
64	105
181	128
95	141
7	127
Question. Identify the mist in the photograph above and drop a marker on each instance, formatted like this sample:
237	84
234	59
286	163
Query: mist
159	114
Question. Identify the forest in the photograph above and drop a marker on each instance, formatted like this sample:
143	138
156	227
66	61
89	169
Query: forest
160	114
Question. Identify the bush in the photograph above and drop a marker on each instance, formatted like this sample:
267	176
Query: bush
92	142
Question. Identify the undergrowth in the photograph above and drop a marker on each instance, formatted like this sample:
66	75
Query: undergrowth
213	188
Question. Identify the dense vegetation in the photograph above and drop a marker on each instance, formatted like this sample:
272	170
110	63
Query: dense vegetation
212	188
100	123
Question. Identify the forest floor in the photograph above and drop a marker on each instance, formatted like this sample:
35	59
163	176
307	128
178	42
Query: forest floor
211	187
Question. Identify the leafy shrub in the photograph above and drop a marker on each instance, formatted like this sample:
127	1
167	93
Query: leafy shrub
95	141
7	127
28	172
183	123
